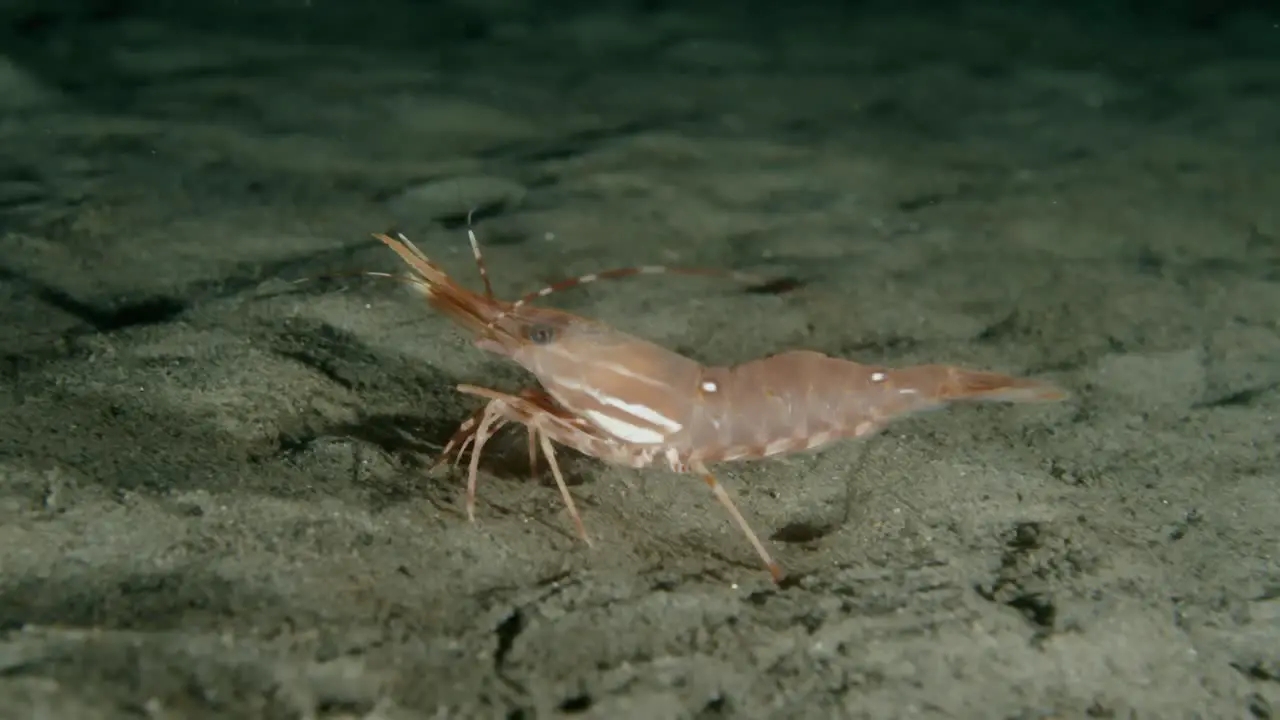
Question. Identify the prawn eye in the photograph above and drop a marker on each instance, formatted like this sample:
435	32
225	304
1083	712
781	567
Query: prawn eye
541	334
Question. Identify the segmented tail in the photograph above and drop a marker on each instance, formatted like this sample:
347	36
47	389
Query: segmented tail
976	386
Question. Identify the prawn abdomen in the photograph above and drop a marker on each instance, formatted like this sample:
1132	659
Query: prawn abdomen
802	400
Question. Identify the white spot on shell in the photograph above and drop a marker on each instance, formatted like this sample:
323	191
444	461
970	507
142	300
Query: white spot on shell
709	386
877	377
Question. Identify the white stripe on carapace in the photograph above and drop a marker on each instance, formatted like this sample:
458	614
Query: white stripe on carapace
624	430
641	412
644	412
618	368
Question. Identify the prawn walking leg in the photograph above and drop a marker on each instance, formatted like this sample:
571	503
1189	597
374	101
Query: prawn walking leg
465	436
723	496
548	426
502	409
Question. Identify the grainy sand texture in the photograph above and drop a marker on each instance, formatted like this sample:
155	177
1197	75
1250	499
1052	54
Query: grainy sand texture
214	489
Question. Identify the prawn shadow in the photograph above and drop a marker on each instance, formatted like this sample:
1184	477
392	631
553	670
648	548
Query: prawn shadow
410	439
416	442
803	531
777	286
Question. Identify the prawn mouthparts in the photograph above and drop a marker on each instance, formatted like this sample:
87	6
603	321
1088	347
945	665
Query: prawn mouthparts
631	402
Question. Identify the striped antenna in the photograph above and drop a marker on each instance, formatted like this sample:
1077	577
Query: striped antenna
479	256
618	273
613	274
556	287
354	274
559	286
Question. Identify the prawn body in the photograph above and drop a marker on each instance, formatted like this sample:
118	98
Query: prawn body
631	402
644	395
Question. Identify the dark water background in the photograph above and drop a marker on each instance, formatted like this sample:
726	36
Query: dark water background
213	489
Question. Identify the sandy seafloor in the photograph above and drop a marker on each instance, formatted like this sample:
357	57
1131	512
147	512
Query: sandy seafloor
213	497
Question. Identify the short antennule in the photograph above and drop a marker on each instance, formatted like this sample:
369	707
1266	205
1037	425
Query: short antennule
456	301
